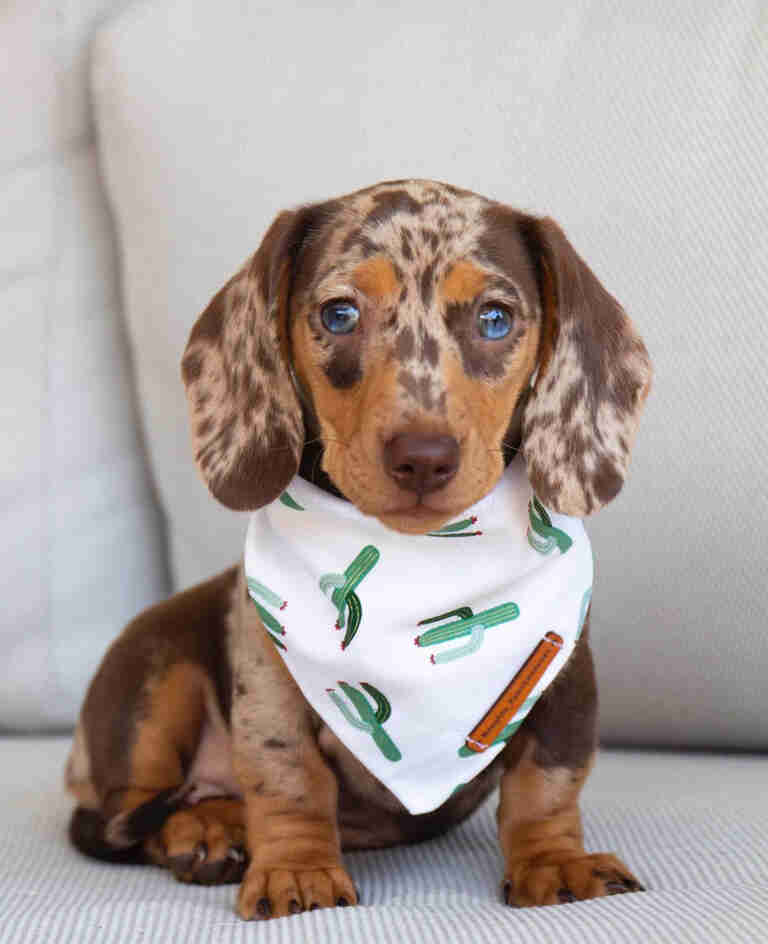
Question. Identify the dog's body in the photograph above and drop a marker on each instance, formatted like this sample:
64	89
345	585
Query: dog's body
420	335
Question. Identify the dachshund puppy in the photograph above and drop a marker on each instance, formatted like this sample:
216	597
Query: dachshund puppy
386	363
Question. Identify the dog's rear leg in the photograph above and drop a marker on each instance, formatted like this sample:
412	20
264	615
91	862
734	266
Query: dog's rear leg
140	786
141	722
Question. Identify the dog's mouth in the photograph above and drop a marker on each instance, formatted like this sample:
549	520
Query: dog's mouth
420	510
418	517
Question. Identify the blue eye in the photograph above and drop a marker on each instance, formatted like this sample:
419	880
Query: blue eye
340	317
494	323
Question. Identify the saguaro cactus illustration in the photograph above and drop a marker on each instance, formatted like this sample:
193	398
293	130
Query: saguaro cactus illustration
368	720
506	733
468	624
341	590
542	535
258	590
456	530
289	502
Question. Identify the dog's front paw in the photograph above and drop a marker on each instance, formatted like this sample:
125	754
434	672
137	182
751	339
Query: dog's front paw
204	844
557	878
279	892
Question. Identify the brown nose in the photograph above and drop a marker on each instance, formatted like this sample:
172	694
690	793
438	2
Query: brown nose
421	463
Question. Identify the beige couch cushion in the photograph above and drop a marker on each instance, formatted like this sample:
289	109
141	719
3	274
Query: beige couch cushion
82	543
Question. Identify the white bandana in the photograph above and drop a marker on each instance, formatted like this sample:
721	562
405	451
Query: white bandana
407	645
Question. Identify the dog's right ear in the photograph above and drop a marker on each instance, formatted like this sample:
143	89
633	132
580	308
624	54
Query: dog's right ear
247	427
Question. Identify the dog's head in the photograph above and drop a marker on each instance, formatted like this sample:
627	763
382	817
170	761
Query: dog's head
420	324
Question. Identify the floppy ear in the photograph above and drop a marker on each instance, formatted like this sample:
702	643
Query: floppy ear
594	375
247	427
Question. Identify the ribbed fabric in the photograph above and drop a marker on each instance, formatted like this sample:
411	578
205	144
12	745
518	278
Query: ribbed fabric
694	828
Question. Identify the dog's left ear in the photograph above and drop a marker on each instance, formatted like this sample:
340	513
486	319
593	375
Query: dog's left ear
247	427
594	375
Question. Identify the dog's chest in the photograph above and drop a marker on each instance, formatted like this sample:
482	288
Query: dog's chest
210	772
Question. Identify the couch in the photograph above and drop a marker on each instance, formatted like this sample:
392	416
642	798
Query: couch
147	147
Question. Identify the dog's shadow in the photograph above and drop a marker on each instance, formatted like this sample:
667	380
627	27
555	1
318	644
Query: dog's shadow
465	860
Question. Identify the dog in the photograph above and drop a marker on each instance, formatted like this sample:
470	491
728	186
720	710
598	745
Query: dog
398	348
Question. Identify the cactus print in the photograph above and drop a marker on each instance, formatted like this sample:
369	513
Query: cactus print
289	502
273	627
368	720
257	589
340	588
467	624
542	535
456	530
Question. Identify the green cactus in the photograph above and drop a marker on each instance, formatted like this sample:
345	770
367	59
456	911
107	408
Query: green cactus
468	624
456	530
465	612
289	502
257	589
506	733
542	535
368	720
273	626
355	609
340	588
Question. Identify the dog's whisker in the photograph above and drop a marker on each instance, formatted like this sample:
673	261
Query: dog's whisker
323	440
505	447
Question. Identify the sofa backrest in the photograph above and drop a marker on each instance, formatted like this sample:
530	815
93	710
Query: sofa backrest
83	546
638	127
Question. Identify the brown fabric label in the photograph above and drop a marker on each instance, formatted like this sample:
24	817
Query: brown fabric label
509	702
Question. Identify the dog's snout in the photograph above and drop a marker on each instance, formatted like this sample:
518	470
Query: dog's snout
421	463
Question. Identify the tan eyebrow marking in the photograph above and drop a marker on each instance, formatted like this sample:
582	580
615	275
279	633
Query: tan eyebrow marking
463	283
376	277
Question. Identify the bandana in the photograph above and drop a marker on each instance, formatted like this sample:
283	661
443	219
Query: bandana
423	653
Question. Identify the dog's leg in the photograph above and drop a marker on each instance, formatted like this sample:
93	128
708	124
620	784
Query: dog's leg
290	792
142	719
539	821
141	790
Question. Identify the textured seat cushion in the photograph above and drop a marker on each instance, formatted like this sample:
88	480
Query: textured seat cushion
634	125
693	827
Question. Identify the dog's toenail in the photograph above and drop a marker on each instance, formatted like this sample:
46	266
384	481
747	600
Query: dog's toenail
236	853
616	888
565	895
506	888
264	907
294	907
314	906
342	902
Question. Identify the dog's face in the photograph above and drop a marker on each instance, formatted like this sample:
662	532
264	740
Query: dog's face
412	317
414	345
